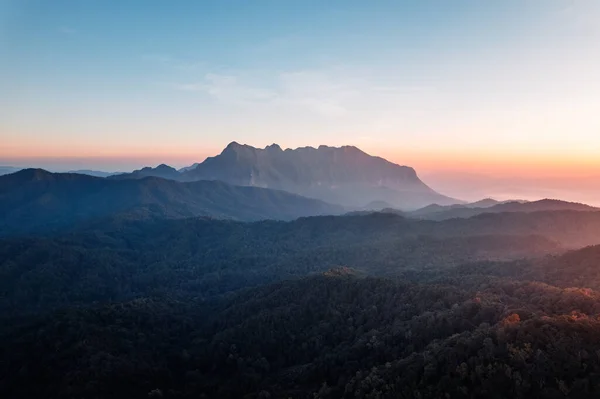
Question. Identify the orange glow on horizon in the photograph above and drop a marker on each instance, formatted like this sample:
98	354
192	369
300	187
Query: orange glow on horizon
494	163
499	164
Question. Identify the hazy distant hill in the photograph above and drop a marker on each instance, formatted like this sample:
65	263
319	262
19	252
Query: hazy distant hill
436	208
344	175
484	203
162	171
34	199
377	206
97	173
436	212
185	169
4	170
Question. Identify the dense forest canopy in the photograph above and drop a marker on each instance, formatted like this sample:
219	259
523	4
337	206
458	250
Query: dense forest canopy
336	335
125	259
370	305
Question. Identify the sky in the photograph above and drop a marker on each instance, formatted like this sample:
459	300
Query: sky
471	93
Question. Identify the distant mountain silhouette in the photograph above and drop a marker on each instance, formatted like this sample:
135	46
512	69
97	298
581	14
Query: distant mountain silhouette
436	208
162	171
436	212
4	170
186	168
34	200
484	203
344	175
377	206
97	173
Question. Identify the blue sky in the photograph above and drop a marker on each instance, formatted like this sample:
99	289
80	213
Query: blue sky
468	84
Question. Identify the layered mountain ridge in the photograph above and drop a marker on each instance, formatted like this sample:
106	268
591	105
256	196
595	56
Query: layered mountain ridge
342	175
438	212
162	171
37	200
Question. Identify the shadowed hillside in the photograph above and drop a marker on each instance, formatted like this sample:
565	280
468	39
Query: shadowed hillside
330	336
36	200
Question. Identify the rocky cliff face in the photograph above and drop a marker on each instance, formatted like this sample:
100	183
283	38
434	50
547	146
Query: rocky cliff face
344	175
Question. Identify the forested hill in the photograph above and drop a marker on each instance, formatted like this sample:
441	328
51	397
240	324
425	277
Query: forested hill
333	336
34	200
206	257
358	306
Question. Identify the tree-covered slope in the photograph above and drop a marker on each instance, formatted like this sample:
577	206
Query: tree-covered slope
330	336
34	200
207	257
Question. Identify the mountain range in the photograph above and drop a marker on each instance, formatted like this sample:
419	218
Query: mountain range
163	171
437	212
5	170
341	175
137	286
97	173
37	200
436	208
